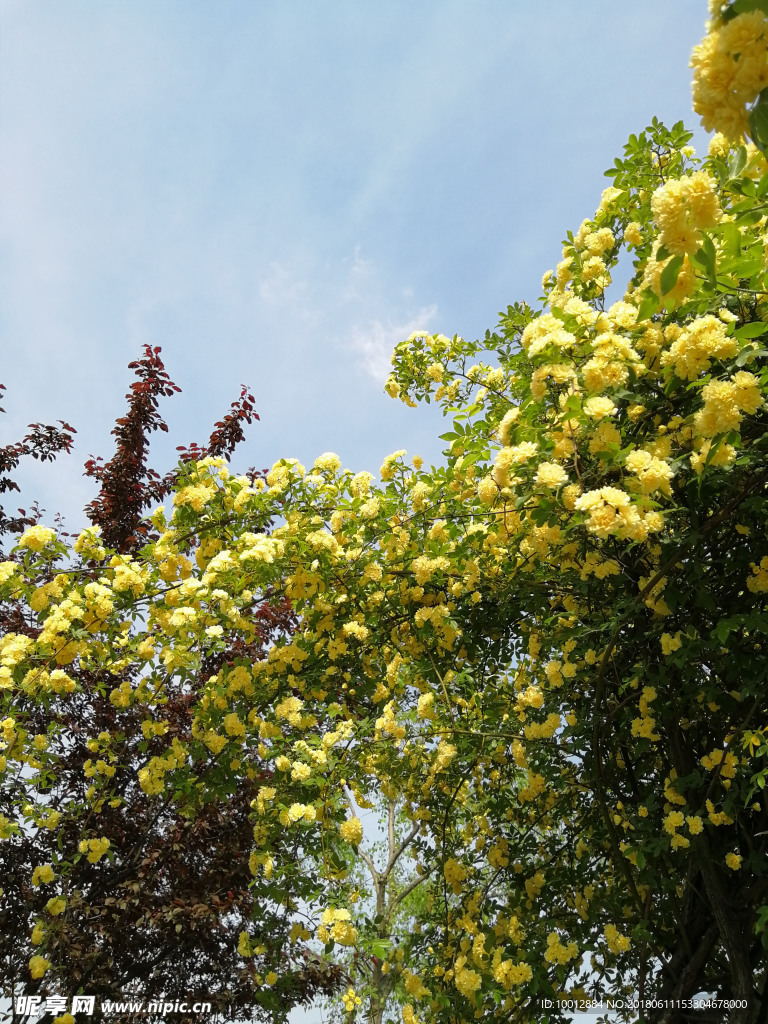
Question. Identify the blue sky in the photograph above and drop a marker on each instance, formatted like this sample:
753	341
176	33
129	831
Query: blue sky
278	192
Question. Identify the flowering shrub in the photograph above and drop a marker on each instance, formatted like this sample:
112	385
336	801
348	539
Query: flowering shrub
122	885
550	650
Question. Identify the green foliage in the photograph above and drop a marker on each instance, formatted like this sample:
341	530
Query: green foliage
549	651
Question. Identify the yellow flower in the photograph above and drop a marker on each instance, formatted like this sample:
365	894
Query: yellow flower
7	569
594	269
672	821
328	463
681	208
599	406
454	874
351	831
653	474
425	706
300	771
633	234
387	471
557	952
617	943
36	538
234	726
391	387
670	643
733	860
610	512
550	474
508	973
95	848
214	741
43	874
38	965
296	812
729	71
344	932
467	982
597	242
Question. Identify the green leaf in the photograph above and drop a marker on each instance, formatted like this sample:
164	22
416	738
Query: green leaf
708	256
737	162
762	186
742	207
753	330
705	600
758	120
470	458
748	354
670	274
743	7
751	215
380	948
723	629
743	187
747	267
648	306
731	239
572	404
337	861
540	515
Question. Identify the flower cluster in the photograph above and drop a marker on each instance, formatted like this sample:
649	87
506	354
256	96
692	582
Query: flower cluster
729	72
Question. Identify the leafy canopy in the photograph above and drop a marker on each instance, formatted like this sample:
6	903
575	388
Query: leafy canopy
550	650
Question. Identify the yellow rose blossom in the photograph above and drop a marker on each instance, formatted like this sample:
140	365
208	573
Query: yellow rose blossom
598	407
351	831
672	821
729	72
617	943
43	874
328	463
38	965
37	538
56	905
95	848
550	474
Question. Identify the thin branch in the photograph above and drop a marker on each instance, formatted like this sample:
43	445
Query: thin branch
394	856
397	900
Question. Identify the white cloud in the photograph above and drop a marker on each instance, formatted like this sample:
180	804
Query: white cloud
360	277
282	286
375	342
